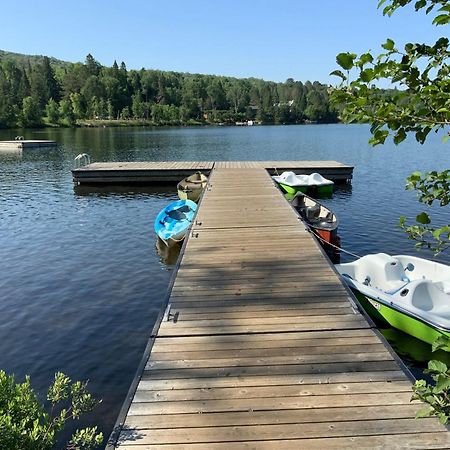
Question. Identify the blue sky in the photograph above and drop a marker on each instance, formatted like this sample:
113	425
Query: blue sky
263	39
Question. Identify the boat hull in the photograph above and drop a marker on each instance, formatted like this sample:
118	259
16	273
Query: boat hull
191	187
293	189
385	314
325	191
191	194
173	221
330	237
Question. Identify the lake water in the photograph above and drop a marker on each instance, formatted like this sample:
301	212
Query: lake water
81	283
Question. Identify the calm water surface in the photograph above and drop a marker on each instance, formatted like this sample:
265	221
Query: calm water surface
81	283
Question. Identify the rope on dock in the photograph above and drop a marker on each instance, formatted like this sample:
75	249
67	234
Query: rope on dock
332	245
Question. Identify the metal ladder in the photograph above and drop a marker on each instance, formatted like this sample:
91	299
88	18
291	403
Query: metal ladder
82	160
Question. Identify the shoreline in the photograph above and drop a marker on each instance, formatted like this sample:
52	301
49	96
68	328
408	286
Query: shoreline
107	123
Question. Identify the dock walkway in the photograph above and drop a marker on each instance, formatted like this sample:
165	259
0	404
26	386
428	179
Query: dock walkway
262	347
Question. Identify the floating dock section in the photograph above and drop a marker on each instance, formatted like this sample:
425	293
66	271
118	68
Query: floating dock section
171	172
21	144
262	346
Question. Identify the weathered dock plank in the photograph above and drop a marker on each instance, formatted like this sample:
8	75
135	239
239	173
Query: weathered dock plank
148	172
262	346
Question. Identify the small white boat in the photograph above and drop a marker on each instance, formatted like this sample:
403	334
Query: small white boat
409	293
314	184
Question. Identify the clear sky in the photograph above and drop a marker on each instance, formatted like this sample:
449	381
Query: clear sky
258	38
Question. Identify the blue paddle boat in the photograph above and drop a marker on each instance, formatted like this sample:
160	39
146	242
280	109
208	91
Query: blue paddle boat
173	221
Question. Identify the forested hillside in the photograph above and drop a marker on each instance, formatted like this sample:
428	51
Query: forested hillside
37	91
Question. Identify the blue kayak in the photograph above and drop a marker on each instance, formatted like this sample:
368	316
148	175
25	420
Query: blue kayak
173	221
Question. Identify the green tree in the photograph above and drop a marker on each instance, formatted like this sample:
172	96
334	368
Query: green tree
125	114
316	108
283	114
216	94
66	112
52	111
31	113
97	91
137	107
93	88
51	84
93	67
237	94
419	106
25	424
78	105
73	79
7	102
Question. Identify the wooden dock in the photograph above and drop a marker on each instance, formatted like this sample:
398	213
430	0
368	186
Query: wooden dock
261	346
170	172
21	144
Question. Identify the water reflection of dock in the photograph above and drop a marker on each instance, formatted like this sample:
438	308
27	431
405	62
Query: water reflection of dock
262	346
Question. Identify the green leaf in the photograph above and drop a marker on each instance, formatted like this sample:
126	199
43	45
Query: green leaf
399	136
338	73
443	384
437	366
420	4
437	233
423	218
365	58
361	101
366	75
424	412
442	19
345	60
415	176
389	45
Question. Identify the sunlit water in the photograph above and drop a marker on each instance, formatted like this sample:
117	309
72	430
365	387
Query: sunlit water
81	283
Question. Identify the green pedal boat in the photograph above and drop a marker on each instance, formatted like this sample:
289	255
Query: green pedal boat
409	293
314	184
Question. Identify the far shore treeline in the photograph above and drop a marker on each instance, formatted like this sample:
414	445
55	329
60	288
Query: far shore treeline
39	91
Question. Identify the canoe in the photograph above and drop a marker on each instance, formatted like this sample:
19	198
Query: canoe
317	216
314	184
409	293
172	222
191	188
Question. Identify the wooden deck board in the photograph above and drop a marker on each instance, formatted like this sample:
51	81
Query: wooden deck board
391	441
262	346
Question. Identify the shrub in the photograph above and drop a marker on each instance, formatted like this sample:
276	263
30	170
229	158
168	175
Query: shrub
25	424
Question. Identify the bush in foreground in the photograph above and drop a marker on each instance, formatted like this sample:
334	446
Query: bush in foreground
25	424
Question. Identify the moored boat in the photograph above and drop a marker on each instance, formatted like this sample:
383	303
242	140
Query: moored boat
191	188
314	184
172	222
409	293
318	217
